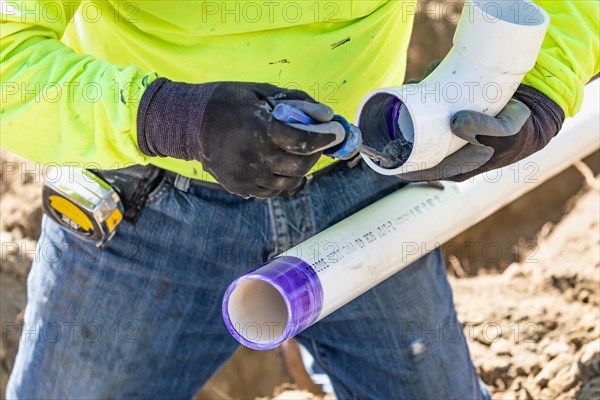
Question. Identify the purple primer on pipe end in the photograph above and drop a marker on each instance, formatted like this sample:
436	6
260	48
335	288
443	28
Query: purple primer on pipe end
300	288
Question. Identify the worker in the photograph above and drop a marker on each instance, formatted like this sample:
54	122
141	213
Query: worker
169	102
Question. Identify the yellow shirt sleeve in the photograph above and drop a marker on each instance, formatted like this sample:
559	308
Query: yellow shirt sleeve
570	53
58	106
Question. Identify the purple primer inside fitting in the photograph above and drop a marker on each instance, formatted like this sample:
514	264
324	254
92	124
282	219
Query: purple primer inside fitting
391	117
300	288
398	148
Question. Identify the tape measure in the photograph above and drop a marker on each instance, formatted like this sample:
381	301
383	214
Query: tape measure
83	203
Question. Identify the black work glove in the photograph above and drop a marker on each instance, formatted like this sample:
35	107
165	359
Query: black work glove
228	127
527	124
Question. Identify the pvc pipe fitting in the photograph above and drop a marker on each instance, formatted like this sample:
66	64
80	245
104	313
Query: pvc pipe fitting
286	295
496	43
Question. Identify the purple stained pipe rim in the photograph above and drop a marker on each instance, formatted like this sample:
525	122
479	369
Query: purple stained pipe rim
300	289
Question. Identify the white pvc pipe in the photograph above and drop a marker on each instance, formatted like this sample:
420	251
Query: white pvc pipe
496	43
291	292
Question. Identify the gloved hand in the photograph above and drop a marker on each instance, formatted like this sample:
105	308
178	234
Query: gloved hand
228	127
527	124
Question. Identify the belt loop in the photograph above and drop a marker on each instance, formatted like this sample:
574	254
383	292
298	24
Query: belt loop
308	181
182	183
354	161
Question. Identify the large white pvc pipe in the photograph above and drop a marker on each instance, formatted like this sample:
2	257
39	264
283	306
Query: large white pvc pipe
291	292
495	44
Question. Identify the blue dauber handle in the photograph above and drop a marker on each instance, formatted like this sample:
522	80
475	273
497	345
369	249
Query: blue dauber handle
292	115
344	151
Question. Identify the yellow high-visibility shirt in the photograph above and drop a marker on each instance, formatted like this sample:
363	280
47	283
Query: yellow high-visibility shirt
73	72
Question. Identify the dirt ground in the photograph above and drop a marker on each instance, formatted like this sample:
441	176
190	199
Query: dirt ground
530	313
533	330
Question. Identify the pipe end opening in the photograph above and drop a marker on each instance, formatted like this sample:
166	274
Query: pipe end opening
387	127
257	312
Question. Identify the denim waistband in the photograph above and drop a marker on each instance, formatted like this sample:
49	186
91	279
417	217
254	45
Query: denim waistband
183	183
134	184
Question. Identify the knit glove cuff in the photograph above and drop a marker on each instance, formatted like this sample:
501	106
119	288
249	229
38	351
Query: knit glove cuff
170	116
547	116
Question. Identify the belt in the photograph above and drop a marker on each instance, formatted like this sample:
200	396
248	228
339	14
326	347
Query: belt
134	184
183	183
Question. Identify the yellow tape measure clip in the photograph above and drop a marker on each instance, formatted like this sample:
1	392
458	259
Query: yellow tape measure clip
83	203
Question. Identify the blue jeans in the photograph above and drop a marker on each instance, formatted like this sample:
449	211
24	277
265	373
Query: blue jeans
141	318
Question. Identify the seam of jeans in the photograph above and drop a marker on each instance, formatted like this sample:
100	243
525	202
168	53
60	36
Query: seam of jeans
280	235
162	188
308	215
317	354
